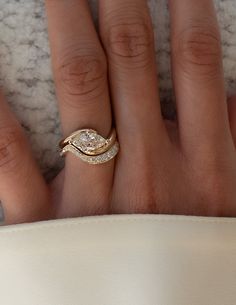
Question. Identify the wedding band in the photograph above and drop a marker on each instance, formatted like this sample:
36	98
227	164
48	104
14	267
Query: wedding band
90	147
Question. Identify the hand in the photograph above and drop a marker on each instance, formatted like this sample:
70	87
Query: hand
185	167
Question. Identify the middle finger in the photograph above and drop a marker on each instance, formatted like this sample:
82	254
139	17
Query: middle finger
198	76
127	34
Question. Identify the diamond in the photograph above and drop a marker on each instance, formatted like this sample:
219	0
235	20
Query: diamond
102	158
88	141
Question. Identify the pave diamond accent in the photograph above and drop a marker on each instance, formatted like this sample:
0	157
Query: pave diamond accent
102	158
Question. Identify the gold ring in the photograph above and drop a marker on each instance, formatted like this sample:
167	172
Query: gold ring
90	147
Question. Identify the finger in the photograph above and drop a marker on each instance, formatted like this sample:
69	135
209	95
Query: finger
127	34
198	74
23	191
232	116
80	74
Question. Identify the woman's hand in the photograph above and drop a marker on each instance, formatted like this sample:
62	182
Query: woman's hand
185	167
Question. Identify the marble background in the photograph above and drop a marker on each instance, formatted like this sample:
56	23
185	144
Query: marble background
25	71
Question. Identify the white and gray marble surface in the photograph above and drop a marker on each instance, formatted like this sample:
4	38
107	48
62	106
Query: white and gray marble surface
25	71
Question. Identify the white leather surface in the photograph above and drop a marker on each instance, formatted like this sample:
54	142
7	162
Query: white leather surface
119	259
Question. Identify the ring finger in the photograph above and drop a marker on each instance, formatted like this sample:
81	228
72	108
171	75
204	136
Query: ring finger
80	74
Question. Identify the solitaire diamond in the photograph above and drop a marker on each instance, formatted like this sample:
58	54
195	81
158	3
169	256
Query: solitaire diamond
88	141
89	146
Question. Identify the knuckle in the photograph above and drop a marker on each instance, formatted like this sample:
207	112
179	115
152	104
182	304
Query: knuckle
143	203
11	144
214	181
81	76
199	48
215	190
130	43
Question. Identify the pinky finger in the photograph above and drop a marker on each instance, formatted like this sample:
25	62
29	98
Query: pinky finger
24	194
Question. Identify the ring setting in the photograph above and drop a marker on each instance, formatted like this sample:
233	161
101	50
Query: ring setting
90	147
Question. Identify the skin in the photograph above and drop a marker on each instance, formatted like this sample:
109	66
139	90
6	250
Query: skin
184	167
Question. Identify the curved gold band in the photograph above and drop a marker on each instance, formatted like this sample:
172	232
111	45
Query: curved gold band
91	147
